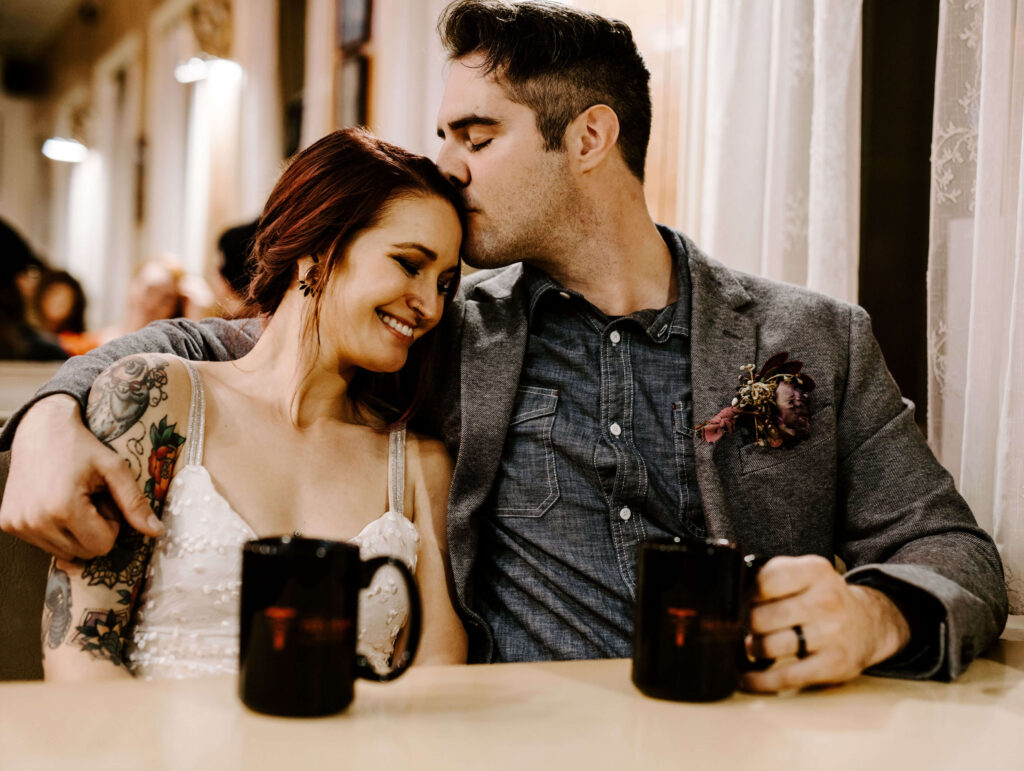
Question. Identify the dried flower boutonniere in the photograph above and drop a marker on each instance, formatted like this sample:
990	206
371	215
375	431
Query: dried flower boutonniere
774	402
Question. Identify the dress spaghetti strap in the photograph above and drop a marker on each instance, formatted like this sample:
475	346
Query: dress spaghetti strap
196	416
396	471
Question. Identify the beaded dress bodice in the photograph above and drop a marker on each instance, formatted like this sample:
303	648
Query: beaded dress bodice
186	617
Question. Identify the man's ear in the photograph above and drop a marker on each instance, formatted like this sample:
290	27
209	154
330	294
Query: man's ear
592	136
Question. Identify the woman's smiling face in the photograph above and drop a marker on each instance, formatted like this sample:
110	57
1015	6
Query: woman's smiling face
390	287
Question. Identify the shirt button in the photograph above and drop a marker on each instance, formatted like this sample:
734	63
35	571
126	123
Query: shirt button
615	337
615	428
625	513
565	295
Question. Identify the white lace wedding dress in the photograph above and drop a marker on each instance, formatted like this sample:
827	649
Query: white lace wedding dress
187	615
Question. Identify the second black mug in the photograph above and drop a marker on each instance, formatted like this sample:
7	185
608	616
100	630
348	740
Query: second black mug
692	614
299	616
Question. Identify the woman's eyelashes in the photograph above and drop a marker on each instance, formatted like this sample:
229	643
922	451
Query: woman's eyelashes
408	265
445	285
478	146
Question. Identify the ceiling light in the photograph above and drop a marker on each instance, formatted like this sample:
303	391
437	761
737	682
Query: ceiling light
191	71
67	150
202	67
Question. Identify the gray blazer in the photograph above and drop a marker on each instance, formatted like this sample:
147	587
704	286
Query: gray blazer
864	487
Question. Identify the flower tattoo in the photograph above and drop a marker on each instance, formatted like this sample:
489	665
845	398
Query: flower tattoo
774	404
166	443
101	633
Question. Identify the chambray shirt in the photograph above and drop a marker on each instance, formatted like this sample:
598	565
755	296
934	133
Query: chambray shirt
598	457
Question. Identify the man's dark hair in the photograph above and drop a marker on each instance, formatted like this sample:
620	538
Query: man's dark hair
558	61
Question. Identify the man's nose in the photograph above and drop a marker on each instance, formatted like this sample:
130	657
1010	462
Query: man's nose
452	166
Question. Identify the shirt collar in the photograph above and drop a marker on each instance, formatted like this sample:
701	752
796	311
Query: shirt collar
660	323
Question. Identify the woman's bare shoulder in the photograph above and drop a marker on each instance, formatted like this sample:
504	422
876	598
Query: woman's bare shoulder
428	452
429	470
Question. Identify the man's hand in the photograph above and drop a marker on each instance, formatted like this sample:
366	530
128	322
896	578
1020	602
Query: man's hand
847	628
60	485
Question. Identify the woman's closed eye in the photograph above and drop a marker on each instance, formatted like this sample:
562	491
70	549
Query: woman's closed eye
408	265
475	147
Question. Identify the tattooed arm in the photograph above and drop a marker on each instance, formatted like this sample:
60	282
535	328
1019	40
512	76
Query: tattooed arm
138	408
57	465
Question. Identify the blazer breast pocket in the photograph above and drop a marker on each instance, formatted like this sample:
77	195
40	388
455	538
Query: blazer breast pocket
819	449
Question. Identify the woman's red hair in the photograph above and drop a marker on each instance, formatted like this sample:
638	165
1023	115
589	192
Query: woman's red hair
333	190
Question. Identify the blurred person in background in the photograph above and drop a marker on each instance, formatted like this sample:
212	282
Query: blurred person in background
59	308
155	293
231	284
19	258
19	271
60	303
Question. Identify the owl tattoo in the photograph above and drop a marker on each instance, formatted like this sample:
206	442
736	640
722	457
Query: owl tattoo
121	395
58	608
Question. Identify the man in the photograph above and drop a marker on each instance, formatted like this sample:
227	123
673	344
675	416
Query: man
582	372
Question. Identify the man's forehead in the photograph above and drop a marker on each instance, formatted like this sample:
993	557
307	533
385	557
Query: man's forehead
469	91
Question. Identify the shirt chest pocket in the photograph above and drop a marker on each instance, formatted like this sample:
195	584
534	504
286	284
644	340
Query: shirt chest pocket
527	485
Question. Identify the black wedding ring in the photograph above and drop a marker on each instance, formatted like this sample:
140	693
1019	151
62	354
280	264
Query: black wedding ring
801	642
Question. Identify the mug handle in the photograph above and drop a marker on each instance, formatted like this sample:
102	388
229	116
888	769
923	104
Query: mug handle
752	565
363	667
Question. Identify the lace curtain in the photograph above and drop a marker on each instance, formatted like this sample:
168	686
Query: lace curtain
755	148
976	268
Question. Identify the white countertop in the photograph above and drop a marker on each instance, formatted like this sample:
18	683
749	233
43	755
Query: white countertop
566	715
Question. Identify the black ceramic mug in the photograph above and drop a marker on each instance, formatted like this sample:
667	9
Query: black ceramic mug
692	614
299	616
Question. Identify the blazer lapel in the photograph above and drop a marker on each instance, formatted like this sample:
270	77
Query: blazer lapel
492	351
722	339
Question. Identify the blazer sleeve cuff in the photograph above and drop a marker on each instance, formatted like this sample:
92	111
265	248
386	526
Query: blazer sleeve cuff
923	655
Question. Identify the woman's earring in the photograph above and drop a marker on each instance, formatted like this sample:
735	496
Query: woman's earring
307	284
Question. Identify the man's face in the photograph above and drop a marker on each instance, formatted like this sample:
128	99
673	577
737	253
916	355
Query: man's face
517	192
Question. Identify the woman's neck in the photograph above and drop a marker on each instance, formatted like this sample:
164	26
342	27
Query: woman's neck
284	373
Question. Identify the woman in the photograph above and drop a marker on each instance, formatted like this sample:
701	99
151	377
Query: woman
59	305
356	257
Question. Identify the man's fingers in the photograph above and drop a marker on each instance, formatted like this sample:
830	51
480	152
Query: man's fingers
133	505
786	576
779	644
88	533
778	616
108	510
816	669
59	551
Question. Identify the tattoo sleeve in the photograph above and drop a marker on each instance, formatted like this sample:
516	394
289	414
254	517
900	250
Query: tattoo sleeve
120	413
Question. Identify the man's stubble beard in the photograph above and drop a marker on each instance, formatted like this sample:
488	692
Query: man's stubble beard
488	250
536	234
